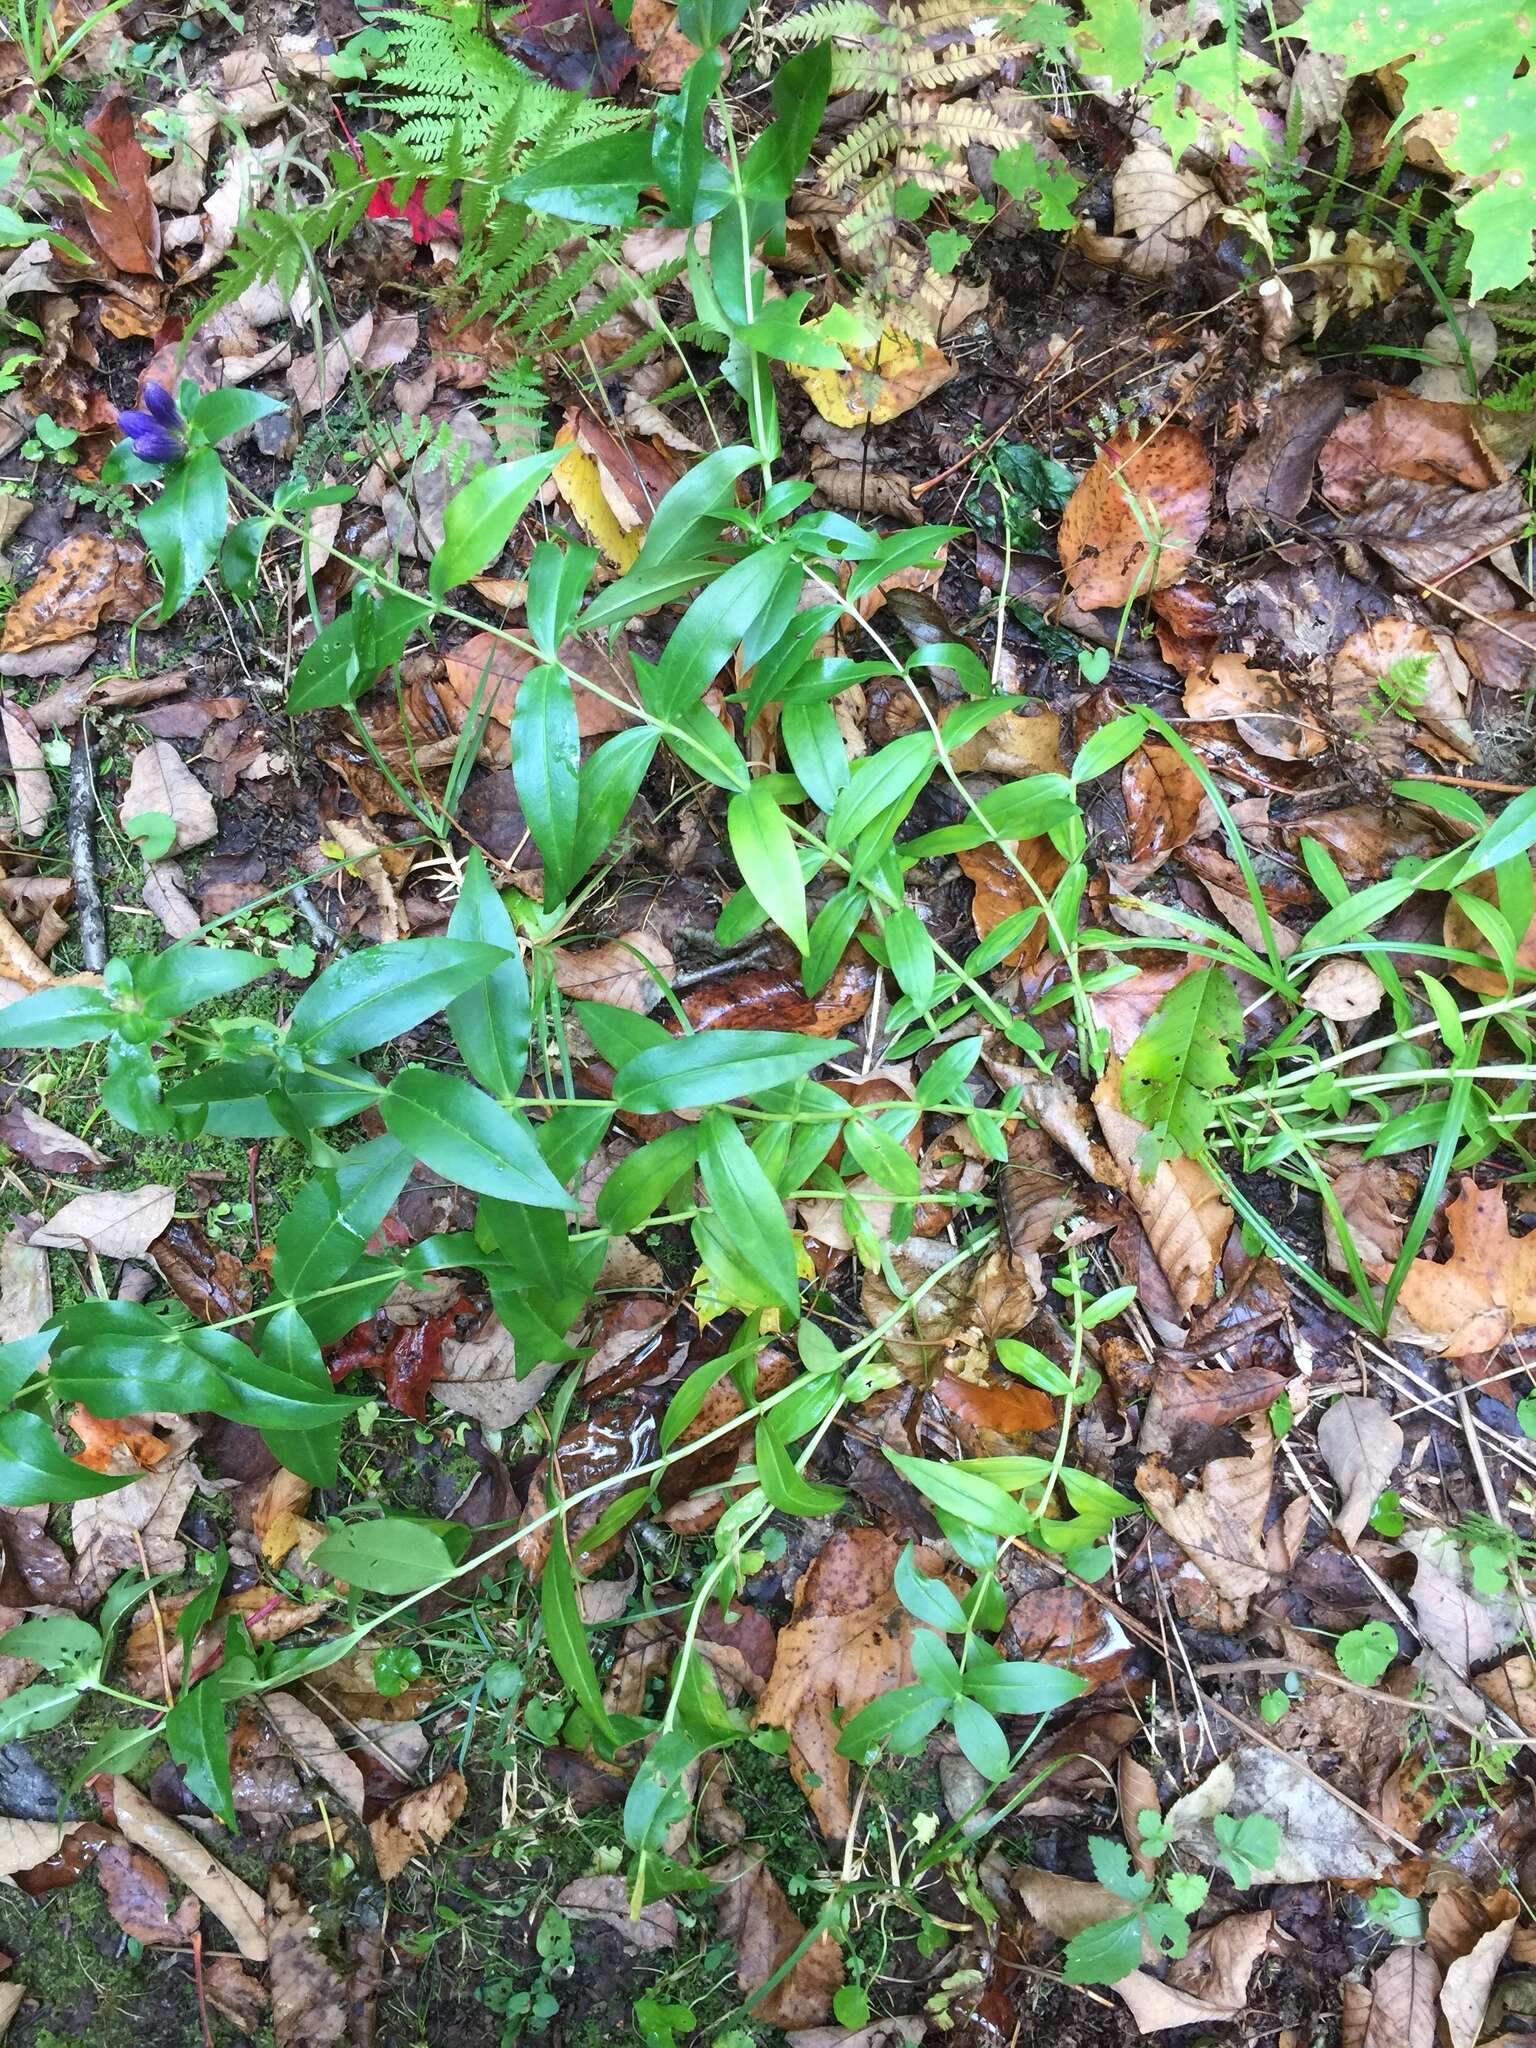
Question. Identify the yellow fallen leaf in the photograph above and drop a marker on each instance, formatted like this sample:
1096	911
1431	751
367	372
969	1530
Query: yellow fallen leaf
579	481
879	382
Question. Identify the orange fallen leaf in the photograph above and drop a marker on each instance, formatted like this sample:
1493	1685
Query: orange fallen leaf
87	580
484	674
123	223
104	1440
1469	1303
1134	522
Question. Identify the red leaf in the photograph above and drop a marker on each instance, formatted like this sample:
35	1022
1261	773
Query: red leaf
406	1358
125	225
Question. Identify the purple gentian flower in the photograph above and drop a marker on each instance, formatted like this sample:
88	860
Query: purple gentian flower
155	435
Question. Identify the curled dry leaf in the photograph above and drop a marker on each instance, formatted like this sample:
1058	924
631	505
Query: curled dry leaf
1403	436
1428	532
91	579
163	783
616	972
1468	1980
29	773
1182	1210
1209	1983
1134	522
416	1823
756	1920
1159	213
1361	1446
1269	716
841	1648
606	1900
115	1224
228	1898
1485	1290
879	383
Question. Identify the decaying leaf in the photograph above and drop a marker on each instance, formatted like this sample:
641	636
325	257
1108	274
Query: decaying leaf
1134	522
1485	1290
1218	1522
115	1224
1399	2008
1361	1446
1399	435
880	382
1270	717
162	783
124	222
840	1649
1182	1210
228	1898
314	2003
606	1900
481	680
416	1823
755	1918
615	972
88	580
1159	213
1320	1838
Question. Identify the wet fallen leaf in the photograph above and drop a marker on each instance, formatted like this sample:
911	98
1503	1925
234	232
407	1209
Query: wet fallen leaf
1271	480
612	972
26	1843
123	221
1061	1625
204	1276
406	1356
115	1224
314	2004
312	1742
756	1920
479	1377
879	383
1399	435
1500	648
91	579
1001	891
417	1823
228	1898
606	1900
1361	1446
45	1145
1485	1290
1427	532
1134	522
162	783
138	1896
839	1650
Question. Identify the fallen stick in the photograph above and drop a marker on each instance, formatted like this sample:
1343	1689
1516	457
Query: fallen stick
82	852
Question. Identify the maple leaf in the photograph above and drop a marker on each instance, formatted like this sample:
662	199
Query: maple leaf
1469	1303
425	227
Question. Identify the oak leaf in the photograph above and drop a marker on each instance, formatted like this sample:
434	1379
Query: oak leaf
1134	522
1469	1303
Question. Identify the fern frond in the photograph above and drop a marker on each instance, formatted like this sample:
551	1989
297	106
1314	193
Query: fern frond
876	136
825	22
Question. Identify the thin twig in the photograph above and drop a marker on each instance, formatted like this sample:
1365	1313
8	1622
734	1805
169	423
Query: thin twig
82	851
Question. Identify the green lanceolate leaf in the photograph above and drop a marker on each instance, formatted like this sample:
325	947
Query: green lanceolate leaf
365	998
195	1735
744	1237
1181	1057
288	1347
764	849
643	1179
599	180
708	1067
566	1638
331	1219
460	1132
34	1472
478	520
491	1022
784	1484
546	767
57	1018
609	783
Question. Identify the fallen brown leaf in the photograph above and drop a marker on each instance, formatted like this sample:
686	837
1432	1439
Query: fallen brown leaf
1485	1290
228	1898
1134	522
115	1224
29	773
1427	532
1159	213
1269	716
1001	891
1399	2008
162	782
416	1823
841	1648
1218	1522
1361	1446
482	676
1163	801
1271	480
123	221
611	972
1399	435
315	1747
606	1900
1184	1213
314	2004
45	1145
138	1897
756	1920
87	580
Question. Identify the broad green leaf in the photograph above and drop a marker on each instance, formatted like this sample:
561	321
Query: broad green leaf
364	998
57	1018
1363	1654
764	850
881	784
1180	1058
887	1162
709	1067
901	1720
1104	1953
491	1021
227	411
34	1708
599	180
184	527
399	1554
463	1134
964	1495
58	1642
782	1481
982	1742
944	1080
546	767
644	1178
478	520
288	1347
1011	1688
609	782
347	656
332	1217
177	980
749	1215
925	1596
